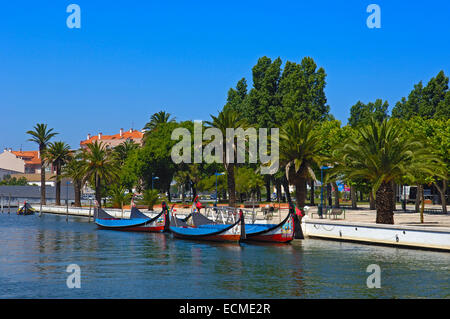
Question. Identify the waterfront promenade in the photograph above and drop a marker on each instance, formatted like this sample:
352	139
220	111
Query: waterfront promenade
359	226
366	215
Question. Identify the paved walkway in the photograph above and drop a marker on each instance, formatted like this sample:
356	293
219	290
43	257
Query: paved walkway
366	215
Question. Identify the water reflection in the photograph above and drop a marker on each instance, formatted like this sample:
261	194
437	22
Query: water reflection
35	251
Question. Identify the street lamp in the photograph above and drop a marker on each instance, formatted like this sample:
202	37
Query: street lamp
154	178
321	189
217	174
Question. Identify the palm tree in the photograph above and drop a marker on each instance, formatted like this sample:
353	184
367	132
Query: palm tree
228	119
158	118
119	196
299	152
41	136
382	152
182	179
99	167
73	170
123	150
57	154
150	198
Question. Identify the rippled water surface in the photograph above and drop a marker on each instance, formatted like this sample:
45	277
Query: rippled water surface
35	251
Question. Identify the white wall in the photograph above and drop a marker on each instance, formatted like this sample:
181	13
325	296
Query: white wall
9	161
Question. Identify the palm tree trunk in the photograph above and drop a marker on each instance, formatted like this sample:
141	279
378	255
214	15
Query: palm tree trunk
417	207
278	186
442	191
286	189
384	204
268	190
371	201
329	195
41	151
312	194
194	190
336	195
98	195
353	197
394	188
77	190
300	192
58	185
231	185
422	207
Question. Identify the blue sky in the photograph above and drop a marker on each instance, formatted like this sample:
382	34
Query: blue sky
131	59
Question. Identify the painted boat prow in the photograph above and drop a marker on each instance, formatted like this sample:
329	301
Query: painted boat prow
271	233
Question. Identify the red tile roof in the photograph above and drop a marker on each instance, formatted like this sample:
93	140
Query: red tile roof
135	134
30	157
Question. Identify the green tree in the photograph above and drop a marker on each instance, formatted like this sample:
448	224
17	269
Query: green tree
429	102
299	153
182	180
248	181
42	136
150	198
154	159
99	167
119	196
73	170
361	113
443	107
226	119
57	154
436	133
237	97
302	92
124	149
382	153
160	117
278	95
13	181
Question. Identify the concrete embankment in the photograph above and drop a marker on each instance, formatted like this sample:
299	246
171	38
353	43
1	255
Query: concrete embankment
82	211
425	237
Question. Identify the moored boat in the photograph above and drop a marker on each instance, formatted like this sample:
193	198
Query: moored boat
209	232
138	221
283	232
26	209
271	233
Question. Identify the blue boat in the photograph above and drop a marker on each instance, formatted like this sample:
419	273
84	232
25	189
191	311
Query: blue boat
210	232
138	221
275	233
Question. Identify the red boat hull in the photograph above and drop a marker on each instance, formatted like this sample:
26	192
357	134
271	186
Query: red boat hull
149	229
217	238
282	233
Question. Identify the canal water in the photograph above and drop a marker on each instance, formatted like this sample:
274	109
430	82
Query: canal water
36	251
